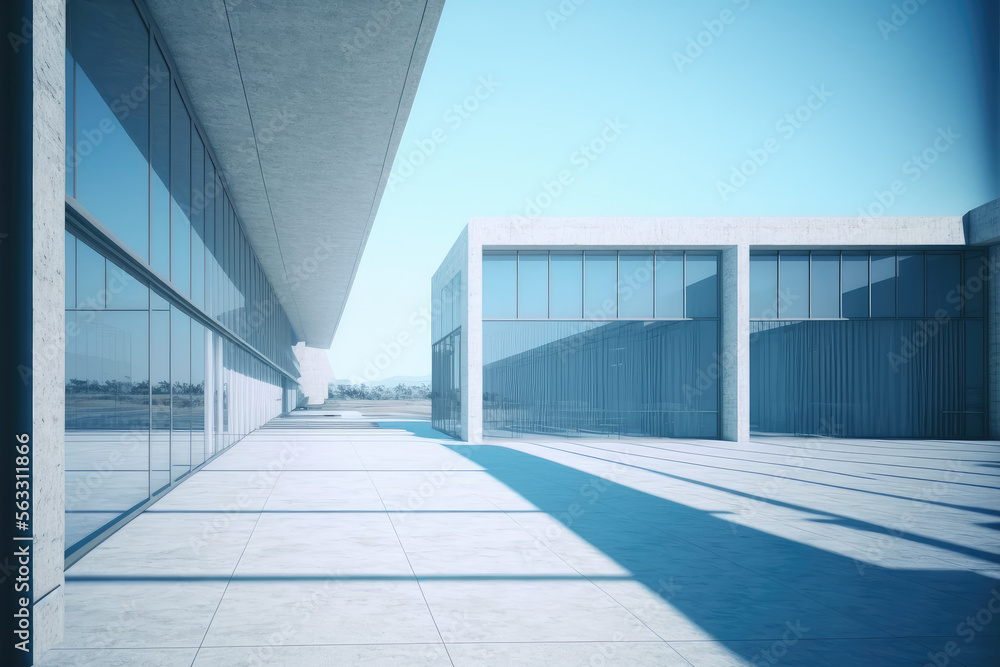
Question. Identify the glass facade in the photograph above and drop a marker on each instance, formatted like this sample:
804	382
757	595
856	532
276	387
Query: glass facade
153	389
446	358
868	344
608	342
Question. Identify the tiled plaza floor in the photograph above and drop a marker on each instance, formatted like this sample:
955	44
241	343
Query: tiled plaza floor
399	546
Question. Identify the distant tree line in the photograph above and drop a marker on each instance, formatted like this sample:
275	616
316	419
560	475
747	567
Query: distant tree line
378	392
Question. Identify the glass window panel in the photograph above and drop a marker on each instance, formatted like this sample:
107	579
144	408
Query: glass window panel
112	117
90	281
669	285
825	285
198	436
159	371
197	220
533	285
793	285
635	285
764	287
701	278
910	286
854	285
566	285
124	290
600	285
180	380
976	274
70	138
883	284
499	286
157	302
159	178
943	282
180	192
70	270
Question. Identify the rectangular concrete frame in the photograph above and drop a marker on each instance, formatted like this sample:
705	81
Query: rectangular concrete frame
734	238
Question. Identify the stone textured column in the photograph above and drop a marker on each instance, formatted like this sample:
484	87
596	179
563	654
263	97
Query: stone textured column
735	344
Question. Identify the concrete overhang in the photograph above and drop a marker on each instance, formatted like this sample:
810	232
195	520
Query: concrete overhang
304	104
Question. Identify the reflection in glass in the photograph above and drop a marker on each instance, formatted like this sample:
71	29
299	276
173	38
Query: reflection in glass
701	278
180	385
197	220
124	290
793	279
90	280
198	440
70	272
911	285
499	286
566	285
883	284
825	285
628	378
159	190
669	285
180	193
635	285
764	287
532	285
854	285
944	278
446	384
159	371
600	285
976	274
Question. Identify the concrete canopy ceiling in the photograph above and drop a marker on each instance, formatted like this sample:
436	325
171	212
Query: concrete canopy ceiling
304	103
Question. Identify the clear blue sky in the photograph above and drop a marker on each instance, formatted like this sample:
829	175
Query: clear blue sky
889	87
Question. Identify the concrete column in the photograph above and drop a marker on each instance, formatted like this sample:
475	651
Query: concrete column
735	343
472	342
993	343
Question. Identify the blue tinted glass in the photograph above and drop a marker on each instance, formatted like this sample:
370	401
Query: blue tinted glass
111	172
943	283
197	220
180	192
532	285
566	285
124	291
910	285
499	286
112	117
635	285
701	282
669	285
883	284
90	281
70	270
600	284
198	439
976	274
764	287
623	378
159	372
825	286
159	181
854	286
180	380
793	282
70	139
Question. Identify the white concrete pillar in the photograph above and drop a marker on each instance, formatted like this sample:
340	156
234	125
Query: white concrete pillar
735	344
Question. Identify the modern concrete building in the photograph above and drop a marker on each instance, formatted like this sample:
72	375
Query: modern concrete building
719	327
187	191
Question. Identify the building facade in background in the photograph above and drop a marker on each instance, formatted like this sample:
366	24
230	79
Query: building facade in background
718	328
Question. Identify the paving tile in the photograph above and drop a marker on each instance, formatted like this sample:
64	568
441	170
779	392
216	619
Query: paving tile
417	655
148	657
619	653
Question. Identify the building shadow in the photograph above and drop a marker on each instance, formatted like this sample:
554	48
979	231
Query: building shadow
737	582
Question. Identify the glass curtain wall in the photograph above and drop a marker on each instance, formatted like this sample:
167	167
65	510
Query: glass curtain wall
868	343
446	359
609	343
151	392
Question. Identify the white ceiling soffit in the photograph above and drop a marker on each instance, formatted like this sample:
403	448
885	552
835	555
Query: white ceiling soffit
304	104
